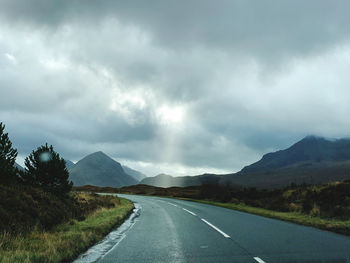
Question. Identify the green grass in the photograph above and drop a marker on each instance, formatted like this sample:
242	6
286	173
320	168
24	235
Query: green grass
338	226
64	242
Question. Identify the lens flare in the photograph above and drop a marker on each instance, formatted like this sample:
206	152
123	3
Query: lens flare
45	157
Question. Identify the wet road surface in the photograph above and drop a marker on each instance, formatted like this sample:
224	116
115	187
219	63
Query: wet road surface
170	230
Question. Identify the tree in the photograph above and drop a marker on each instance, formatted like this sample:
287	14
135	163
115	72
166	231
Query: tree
8	173
47	170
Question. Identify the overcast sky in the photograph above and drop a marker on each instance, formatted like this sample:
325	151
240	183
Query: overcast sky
181	87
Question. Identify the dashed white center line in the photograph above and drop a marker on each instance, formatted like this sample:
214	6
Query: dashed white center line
172	204
259	260
217	229
188	211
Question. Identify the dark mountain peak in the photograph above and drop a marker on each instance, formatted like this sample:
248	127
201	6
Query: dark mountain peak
313	137
98	154
309	143
309	149
98	157
310	139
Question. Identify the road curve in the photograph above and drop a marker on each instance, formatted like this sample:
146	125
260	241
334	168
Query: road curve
170	230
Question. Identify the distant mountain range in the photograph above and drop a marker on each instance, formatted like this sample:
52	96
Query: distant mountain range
310	150
311	160
164	180
100	170
136	174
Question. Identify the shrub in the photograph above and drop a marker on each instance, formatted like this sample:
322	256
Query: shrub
24	208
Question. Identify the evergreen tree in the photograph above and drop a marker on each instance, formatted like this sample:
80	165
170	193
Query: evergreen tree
8	173
47	170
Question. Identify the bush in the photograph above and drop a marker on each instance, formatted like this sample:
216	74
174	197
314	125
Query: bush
24	208
326	201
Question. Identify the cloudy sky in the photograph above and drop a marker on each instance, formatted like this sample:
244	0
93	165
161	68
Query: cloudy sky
181	87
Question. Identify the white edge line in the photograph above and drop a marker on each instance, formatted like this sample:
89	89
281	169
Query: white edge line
217	229
188	211
259	260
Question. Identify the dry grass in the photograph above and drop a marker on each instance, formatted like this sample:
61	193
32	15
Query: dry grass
64	242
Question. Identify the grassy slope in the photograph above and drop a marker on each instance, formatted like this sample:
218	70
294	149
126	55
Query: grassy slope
338	226
64	242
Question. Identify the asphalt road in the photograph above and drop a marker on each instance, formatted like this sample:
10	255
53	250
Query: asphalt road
170	230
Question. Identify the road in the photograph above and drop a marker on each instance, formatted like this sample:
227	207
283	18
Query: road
170	230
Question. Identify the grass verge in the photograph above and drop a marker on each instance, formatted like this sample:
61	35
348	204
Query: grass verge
333	225
63	242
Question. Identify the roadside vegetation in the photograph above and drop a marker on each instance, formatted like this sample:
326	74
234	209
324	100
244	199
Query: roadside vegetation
327	201
329	224
41	219
324	206
66	241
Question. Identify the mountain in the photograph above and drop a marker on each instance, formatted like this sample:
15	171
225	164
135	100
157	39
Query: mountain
311	149
138	176
100	170
164	180
69	164
312	160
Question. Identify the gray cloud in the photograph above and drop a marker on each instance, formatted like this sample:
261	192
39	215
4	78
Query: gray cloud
183	87
265	27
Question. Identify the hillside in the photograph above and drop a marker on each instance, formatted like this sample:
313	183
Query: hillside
138	176
100	170
313	160
310	150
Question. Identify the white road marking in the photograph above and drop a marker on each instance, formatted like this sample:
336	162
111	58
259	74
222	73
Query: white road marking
172	204
259	260
188	211
217	229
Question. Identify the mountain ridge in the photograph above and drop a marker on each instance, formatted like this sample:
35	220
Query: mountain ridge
309	149
134	173
311	160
